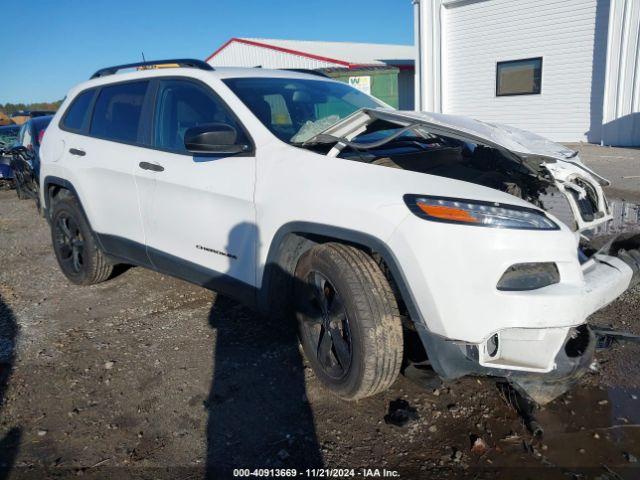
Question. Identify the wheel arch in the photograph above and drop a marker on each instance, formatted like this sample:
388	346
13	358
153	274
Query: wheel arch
295	238
51	188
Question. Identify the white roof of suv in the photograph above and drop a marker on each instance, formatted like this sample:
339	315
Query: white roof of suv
118	74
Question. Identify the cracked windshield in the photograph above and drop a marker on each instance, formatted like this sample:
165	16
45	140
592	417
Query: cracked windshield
296	110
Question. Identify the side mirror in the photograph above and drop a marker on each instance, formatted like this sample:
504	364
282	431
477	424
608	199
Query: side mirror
213	138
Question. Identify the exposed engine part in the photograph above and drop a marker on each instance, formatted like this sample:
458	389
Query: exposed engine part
565	188
470	163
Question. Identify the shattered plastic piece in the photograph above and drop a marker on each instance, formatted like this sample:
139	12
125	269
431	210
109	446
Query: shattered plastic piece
479	447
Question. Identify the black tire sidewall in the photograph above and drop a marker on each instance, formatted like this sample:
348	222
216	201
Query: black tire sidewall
70	208
350	383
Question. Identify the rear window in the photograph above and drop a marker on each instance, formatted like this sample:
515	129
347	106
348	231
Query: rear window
117	113
77	112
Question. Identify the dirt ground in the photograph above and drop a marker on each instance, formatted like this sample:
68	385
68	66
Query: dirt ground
146	376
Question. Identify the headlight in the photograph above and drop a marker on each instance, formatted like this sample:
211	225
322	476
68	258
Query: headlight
475	212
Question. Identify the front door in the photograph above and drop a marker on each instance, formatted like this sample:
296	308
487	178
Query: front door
198	211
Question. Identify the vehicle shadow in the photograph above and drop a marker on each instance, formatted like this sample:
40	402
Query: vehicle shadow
9	444
258	413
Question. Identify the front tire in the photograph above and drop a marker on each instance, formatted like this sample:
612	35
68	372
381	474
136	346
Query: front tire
348	319
80	258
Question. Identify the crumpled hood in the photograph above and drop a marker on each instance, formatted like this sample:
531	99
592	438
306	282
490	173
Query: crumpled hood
522	143
577	182
511	138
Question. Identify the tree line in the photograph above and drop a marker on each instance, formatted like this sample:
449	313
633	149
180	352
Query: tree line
11	108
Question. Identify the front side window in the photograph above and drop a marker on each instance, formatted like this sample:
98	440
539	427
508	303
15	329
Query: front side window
183	104
519	77
295	110
77	112
116	115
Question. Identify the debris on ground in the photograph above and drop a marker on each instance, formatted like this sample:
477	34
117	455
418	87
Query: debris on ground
400	413
478	445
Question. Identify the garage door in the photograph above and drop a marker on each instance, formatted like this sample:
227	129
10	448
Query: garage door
565	38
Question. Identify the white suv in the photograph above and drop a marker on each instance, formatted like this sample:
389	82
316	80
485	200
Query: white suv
397	238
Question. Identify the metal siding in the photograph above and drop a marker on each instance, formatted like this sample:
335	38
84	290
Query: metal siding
564	32
350	52
621	118
238	54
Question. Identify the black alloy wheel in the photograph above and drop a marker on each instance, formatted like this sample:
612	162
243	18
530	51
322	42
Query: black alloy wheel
326	325
70	243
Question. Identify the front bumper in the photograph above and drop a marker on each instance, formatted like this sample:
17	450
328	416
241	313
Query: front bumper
458	310
570	362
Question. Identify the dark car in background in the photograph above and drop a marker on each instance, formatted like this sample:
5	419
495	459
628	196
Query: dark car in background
25	164
8	137
22	116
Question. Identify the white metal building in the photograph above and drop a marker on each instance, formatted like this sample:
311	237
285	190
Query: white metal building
565	69
312	55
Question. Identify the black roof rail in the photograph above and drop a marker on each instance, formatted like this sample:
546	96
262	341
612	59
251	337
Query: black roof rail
181	62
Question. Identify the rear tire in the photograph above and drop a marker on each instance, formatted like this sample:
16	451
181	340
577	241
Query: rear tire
349	325
80	257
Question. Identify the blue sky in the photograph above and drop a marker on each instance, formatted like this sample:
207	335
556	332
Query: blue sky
50	45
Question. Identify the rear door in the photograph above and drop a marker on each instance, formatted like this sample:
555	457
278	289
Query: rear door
103	159
199	216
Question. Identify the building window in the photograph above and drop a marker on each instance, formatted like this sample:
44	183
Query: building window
519	77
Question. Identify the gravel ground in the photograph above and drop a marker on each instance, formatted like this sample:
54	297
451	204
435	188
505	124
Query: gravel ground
146	376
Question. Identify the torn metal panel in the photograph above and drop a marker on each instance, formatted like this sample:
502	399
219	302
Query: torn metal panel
551	163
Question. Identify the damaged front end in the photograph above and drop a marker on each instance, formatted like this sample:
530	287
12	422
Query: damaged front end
452	360
541	363
548	175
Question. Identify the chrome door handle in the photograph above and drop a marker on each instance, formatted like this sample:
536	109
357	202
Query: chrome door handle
151	166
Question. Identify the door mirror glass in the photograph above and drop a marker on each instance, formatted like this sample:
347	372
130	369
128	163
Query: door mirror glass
213	138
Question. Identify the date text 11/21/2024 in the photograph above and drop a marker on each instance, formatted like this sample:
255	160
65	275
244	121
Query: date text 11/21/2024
316	473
